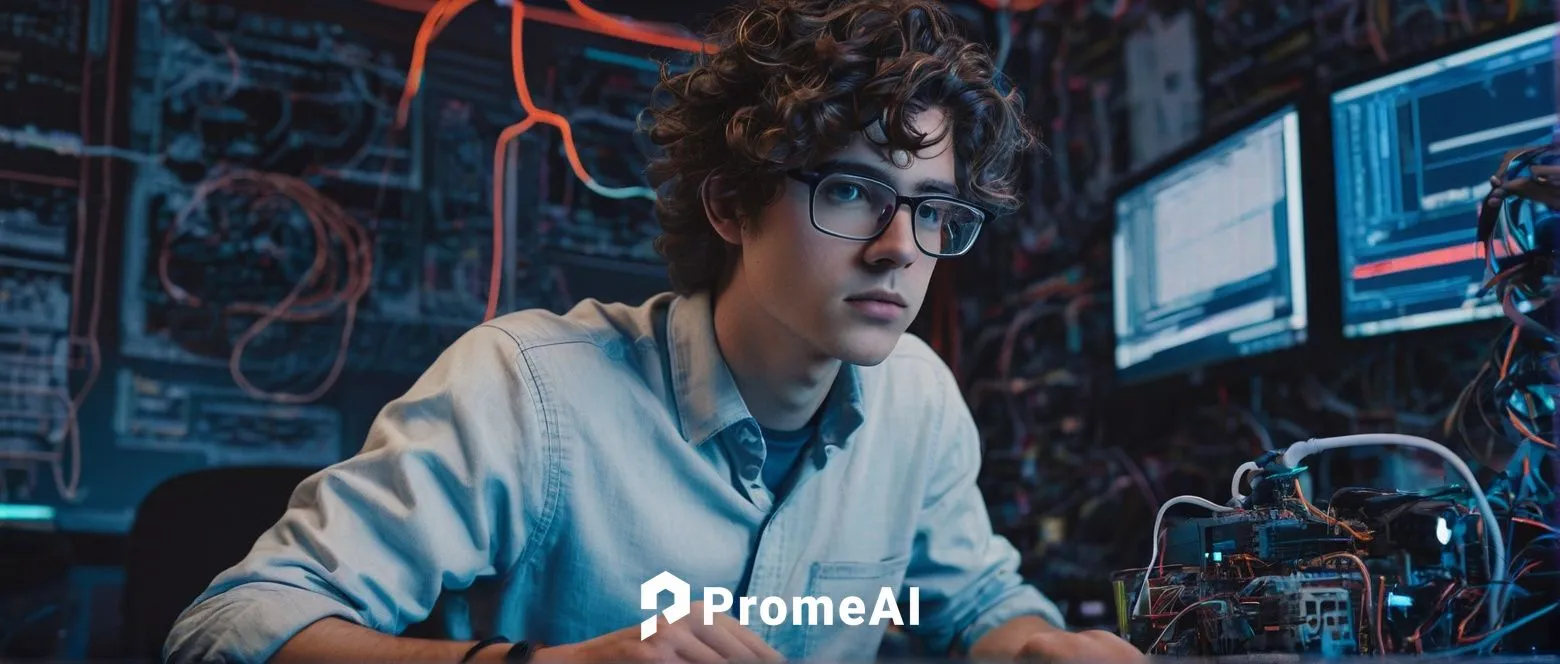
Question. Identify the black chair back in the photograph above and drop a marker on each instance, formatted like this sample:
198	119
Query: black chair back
187	531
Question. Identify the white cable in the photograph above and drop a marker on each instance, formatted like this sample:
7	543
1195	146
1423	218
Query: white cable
1159	519
1240	473
1496	542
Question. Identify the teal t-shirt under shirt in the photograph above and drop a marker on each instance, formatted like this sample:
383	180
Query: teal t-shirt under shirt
782	451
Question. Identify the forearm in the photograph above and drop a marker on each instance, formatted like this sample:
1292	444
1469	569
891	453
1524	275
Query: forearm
334	639
1006	640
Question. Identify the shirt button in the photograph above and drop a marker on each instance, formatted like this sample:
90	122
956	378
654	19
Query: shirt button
750	471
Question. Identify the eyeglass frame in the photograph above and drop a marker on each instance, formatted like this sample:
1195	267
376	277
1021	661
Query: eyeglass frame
814	178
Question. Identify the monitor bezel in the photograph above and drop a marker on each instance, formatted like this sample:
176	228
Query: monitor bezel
1341	84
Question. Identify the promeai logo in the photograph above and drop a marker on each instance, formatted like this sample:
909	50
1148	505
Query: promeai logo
650	600
773	611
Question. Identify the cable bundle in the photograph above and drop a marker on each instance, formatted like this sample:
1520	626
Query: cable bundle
337	278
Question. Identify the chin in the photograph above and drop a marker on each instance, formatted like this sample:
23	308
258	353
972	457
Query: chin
866	347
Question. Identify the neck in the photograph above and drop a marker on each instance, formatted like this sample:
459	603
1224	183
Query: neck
782	378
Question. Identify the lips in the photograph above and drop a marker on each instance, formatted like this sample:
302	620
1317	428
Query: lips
888	297
880	306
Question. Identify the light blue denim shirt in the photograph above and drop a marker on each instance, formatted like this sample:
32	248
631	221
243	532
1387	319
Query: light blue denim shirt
569	459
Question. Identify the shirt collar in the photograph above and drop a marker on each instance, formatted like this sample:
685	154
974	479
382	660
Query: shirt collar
707	398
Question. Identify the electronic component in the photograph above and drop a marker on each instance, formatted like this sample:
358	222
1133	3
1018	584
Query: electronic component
1283	575
221	424
1412	155
1209	256
1366	571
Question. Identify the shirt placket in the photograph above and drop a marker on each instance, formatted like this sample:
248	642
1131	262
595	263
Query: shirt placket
748	458
781	541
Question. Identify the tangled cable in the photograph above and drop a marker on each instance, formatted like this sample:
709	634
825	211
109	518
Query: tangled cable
337	278
1516	234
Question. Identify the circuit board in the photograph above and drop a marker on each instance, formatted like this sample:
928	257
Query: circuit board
1366	572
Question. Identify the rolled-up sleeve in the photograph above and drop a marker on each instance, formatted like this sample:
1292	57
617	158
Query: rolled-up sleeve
446	489
967	574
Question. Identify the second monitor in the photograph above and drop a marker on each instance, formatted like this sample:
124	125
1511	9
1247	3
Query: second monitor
1413	152
1209	256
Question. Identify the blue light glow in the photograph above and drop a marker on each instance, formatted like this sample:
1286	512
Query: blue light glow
26	512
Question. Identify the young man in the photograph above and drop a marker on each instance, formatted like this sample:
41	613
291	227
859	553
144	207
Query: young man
769	429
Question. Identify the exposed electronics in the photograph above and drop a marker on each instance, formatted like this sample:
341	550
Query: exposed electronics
1452	571
1413	152
1209	255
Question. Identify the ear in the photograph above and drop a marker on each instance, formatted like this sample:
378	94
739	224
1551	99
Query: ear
721	209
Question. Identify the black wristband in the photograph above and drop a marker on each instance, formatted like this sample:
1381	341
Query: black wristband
520	652
492	640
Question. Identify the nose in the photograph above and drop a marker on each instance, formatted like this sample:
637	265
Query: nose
895	247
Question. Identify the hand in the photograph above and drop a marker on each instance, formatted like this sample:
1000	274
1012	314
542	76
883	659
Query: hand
687	640
1092	646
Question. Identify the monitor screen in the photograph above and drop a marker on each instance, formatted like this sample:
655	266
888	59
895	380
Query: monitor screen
1209	259
1413	152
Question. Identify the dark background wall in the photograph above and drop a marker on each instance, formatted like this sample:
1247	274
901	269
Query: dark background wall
153	213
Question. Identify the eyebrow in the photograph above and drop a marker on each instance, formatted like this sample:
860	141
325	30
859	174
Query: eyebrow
854	167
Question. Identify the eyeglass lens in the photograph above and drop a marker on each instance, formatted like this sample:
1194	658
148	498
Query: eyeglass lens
858	208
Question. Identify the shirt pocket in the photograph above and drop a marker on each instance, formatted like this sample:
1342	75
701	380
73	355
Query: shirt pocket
864	580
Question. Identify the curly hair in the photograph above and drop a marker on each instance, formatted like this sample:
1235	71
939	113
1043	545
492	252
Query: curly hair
792	82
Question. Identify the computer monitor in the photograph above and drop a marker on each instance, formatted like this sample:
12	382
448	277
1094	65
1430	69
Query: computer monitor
1209	261
1413	154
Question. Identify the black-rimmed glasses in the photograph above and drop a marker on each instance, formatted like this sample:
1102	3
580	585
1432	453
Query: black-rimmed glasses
854	207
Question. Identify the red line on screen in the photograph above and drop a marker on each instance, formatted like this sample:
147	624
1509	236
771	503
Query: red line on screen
1461	253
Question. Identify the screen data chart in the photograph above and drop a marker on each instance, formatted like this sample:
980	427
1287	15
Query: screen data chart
1413	153
1209	256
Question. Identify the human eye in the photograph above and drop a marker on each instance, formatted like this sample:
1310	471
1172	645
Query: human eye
844	192
929	215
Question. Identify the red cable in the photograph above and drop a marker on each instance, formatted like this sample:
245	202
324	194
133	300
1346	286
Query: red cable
444	11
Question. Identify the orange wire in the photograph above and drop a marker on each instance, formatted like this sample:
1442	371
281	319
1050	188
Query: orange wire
1527	433
329	222
618	28
1363	537
1414	638
1463	625
1511	347
434	22
577	21
535	115
442	12
1366	593
1536	524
